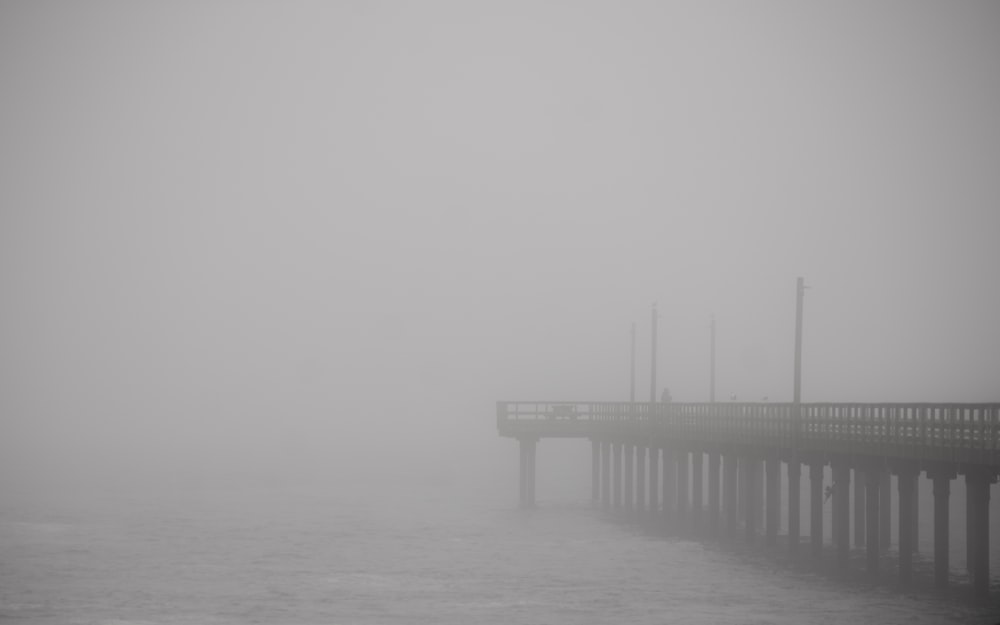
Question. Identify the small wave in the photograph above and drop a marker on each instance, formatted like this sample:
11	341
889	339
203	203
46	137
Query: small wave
498	604
37	527
364	580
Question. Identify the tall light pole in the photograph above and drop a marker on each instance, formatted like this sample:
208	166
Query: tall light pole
800	291
711	379
631	395
652	367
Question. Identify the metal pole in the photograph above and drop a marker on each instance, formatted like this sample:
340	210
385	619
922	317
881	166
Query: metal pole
711	382
800	291
631	396
652	369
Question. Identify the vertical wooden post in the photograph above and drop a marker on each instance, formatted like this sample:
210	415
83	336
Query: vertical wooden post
522	484
595	471
942	492
681	509
914	515
532	444
713	493
616	466
841	509
752	513
906	483
794	503
640	475
668	485
527	473
742	480
629	472
977	486
697	489
873	479
729	493
816	508
654	482
885	510
859	508
606	475
773	467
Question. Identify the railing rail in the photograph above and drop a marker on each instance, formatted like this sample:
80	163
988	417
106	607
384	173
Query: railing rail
910	429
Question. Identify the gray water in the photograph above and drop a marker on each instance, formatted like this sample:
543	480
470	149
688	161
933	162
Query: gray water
328	553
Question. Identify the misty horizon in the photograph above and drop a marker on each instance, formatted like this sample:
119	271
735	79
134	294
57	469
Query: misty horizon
284	238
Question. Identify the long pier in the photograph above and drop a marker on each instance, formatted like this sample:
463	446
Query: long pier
650	458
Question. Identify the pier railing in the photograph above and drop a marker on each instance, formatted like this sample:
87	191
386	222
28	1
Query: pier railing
953	432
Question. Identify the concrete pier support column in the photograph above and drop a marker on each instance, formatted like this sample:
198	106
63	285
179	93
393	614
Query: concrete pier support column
640	478
915	516
616	468
758	482
531	475
842	512
729	494
885	510
713	494
816	507
859	508
753	503
522	473
942	492
873	481
606	475
629	472
794	504
681	508
654	482
970	529
977	488
906	483
697	489
773	469
741	485
595	472
668	485
527	473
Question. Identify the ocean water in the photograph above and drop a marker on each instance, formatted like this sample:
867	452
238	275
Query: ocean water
250	553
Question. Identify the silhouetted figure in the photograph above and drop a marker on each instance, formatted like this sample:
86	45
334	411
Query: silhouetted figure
829	493
665	396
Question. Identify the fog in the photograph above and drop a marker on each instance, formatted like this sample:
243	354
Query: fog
286	239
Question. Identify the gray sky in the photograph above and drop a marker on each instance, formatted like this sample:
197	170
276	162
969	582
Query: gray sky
261	234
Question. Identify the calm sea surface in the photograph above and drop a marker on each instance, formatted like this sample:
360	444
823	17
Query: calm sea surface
254	554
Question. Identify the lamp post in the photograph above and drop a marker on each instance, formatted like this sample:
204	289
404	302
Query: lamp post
711	379
652	367
631	395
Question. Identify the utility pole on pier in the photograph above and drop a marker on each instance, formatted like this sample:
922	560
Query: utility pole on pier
711	379
631	395
800	291
652	368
